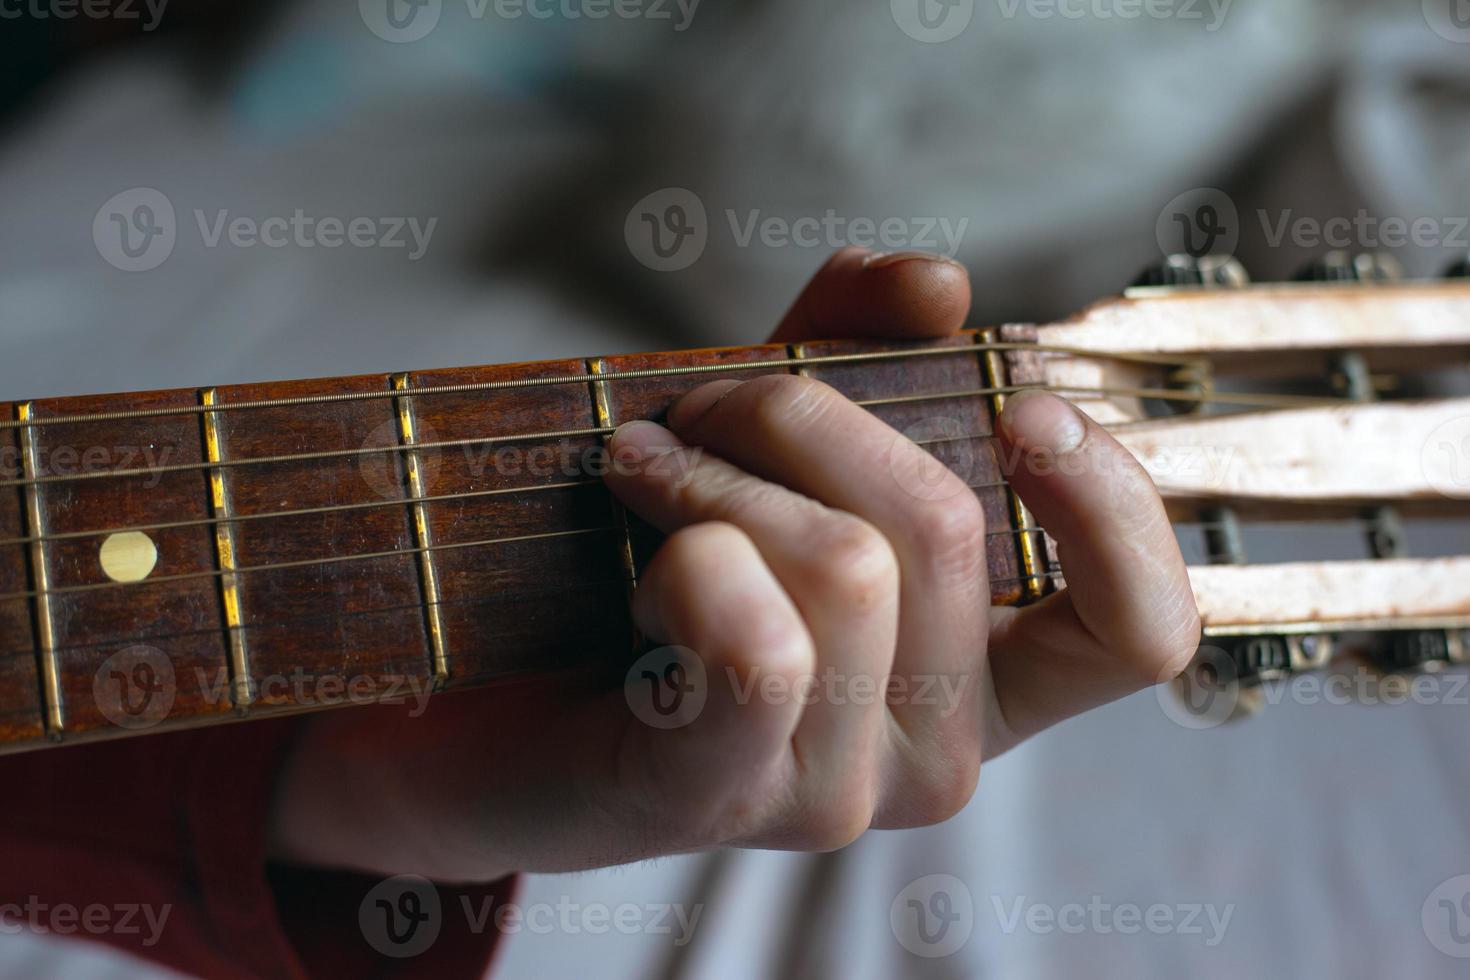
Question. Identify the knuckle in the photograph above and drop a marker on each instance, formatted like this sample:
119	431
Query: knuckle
947	789
855	564
951	532
835	823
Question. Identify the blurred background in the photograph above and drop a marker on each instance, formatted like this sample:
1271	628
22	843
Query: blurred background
197	192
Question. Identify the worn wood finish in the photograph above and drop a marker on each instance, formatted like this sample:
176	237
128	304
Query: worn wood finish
1322	596
153	646
508	557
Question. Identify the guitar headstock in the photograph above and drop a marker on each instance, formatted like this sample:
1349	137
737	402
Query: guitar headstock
1312	442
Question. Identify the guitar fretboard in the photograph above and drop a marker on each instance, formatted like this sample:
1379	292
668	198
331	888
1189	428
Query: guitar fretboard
179	557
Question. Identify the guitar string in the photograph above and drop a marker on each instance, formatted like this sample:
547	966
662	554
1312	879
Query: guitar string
456	546
968	350
306	621
335	559
1245	399
621	582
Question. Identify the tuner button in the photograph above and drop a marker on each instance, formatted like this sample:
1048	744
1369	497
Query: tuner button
1261	658
1208	272
1342	266
1407	651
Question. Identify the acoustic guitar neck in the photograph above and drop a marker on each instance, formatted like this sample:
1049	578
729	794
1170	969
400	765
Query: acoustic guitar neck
186	557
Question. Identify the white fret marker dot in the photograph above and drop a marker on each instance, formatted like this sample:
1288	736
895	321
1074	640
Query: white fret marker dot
128	557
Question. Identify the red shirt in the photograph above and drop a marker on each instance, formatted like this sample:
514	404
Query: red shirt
157	846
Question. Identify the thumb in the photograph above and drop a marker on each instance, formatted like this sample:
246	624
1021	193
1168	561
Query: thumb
860	293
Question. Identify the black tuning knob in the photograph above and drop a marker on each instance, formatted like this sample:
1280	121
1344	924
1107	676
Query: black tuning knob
1207	271
1414	650
1460	270
1340	266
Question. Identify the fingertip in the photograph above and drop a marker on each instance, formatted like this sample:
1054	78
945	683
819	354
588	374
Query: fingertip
639	440
859	293
1039	420
916	294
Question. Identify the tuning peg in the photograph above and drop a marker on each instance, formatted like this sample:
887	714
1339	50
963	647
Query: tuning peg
1410	651
1207	271
1342	266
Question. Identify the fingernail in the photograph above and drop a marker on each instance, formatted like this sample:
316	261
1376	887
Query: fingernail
882	260
637	441
687	410
1040	420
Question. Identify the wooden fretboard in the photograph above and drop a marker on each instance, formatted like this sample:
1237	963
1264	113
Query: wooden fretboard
368	537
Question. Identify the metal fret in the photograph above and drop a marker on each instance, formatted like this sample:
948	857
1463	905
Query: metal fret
45	623
242	691
797	352
603	409
408	433
1034	580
